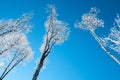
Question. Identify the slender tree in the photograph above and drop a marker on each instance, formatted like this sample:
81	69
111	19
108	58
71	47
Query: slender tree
91	22
56	33
14	47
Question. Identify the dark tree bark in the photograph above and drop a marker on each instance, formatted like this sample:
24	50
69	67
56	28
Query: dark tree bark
39	67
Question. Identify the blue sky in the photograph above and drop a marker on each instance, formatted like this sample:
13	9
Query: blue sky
80	57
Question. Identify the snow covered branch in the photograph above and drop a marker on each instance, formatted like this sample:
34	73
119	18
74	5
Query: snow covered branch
113	39
91	22
8	29
16	25
18	53
56	31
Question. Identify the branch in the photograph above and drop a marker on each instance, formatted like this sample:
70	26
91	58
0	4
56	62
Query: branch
8	66
104	48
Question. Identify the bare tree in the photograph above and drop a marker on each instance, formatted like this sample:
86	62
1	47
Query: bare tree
56	33
91	22
14	47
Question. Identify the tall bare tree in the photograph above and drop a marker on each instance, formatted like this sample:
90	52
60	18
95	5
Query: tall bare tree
91	22
56	33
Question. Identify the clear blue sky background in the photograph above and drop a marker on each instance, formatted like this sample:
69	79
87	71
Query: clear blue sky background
80	57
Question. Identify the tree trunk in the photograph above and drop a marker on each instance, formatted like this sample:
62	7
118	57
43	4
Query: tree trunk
39	67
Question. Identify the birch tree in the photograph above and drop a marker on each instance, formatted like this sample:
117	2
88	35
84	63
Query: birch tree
56	33
91	22
14	46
